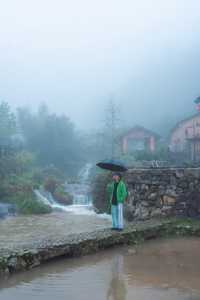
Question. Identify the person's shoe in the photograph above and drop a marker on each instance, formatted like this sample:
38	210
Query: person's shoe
120	229
114	228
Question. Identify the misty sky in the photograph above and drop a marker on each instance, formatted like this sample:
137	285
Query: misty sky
74	55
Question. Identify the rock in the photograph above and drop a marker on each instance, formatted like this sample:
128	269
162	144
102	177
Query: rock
191	186
179	173
167	200
129	213
144	203
156	212
65	199
172	180
141	213
132	251
152	196
165	286
12	262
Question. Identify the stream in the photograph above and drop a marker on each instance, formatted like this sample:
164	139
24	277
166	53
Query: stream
156	270
82	200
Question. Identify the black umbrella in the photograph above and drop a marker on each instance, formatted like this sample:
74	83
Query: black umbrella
112	165
197	101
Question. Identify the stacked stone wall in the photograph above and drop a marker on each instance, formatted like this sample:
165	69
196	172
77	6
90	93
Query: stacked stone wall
162	192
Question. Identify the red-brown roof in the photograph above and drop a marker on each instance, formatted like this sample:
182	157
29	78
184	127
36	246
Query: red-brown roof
140	128
183	121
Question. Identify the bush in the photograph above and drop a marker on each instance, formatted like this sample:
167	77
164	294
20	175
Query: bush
18	190
50	184
100	195
62	196
24	160
28	204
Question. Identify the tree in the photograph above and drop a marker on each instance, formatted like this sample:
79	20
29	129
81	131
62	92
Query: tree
53	138
111	127
7	121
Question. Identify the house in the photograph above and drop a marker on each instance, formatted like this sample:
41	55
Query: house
138	138
185	138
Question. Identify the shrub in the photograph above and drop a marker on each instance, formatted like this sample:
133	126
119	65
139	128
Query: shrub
28	204
18	190
50	184
100	193
62	196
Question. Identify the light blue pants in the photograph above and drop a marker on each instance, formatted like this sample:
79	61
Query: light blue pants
117	216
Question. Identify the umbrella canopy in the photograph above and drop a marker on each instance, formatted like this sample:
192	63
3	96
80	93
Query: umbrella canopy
112	165
197	101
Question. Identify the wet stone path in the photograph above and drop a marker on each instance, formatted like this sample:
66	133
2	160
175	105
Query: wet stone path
26	242
25	231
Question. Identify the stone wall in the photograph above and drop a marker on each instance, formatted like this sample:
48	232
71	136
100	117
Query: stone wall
162	192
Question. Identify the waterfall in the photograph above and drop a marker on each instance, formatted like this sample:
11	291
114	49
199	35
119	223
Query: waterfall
85	173
82	203
81	190
47	198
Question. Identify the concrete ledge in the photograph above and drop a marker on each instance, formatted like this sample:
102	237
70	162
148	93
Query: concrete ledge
15	260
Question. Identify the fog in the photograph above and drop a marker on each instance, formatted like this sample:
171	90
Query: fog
75	55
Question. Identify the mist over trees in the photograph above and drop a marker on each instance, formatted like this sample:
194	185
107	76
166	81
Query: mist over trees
53	139
37	149
105	141
7	121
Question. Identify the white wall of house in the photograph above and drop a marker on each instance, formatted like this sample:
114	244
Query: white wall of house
187	129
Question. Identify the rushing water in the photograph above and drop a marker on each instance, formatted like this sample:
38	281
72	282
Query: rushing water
64	220
156	270
82	202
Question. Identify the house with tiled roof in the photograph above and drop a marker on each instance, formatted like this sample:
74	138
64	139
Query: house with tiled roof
185	136
138	138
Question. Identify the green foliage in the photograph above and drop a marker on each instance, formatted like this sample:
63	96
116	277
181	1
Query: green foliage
100	192
7	166
16	163
52	148
24	161
50	184
27	203
30	206
61	190
56	188
62	196
18	190
18	183
7	121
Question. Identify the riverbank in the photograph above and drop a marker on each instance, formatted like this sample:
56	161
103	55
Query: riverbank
36	248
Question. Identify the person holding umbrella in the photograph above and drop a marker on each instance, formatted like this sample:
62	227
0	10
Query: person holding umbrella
117	191
118	194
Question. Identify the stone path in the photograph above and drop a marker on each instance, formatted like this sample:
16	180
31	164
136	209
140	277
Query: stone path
25	231
26	242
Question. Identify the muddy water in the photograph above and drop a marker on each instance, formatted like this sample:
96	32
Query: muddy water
157	270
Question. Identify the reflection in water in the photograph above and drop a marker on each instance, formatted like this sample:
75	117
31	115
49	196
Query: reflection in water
117	288
156	270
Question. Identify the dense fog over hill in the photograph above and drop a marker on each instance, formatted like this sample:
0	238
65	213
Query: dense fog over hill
75	55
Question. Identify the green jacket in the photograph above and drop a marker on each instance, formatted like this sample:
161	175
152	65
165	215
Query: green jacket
121	191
